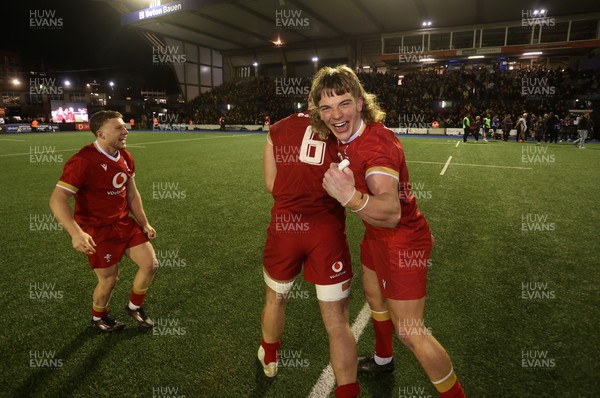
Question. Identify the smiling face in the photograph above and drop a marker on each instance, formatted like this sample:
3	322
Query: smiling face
112	135
341	114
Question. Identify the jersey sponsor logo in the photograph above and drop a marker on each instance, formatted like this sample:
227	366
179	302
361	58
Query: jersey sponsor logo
312	151
337	266
119	180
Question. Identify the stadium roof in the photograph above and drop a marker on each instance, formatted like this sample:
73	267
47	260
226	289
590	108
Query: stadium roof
231	25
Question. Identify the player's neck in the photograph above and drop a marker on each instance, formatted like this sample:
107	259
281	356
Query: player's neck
108	150
358	132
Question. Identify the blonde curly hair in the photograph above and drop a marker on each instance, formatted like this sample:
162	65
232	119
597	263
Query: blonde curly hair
339	81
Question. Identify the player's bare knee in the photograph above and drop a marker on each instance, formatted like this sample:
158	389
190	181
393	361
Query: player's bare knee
409	340
108	283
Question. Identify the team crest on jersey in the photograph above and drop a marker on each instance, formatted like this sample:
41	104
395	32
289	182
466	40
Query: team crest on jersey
104	166
107	257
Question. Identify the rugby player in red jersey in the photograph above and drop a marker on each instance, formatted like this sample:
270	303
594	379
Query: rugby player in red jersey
101	179
396	247
307	229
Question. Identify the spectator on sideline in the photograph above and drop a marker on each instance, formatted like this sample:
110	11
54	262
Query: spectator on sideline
466	124
583	127
521	127
552	127
506	127
487	125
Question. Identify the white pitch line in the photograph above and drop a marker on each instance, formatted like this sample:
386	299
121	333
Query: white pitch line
326	381
8	139
473	165
446	166
491	165
456	146
29	153
198	139
142	143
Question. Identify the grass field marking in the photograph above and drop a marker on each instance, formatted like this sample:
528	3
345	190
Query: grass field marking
197	139
28	153
456	146
324	386
473	165
144	143
491	165
423	162
446	166
8	139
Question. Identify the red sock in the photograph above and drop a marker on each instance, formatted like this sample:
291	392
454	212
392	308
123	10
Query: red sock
270	350
99	312
137	298
384	334
455	392
449	386
347	391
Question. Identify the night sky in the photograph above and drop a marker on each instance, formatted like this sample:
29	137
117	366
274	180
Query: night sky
91	42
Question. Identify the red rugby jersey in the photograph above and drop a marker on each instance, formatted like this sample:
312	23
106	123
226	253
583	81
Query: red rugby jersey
99	182
302	160
377	151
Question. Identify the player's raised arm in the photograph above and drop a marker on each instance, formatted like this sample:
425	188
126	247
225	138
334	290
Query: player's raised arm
382	209
59	204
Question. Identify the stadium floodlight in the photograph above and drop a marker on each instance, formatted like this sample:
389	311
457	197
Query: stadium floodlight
278	42
315	59
476	56
426	23
533	53
16	82
255	64
67	83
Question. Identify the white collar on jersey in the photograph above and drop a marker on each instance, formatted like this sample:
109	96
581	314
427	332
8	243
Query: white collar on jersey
113	158
355	135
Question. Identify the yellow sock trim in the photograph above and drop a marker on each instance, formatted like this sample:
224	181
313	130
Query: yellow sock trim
144	291
380	316
446	383
97	308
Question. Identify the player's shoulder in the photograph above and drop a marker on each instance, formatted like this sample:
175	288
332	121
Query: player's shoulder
377	132
295	120
84	154
293	123
126	154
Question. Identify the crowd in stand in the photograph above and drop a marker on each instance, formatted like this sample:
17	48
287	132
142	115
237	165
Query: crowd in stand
505	94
